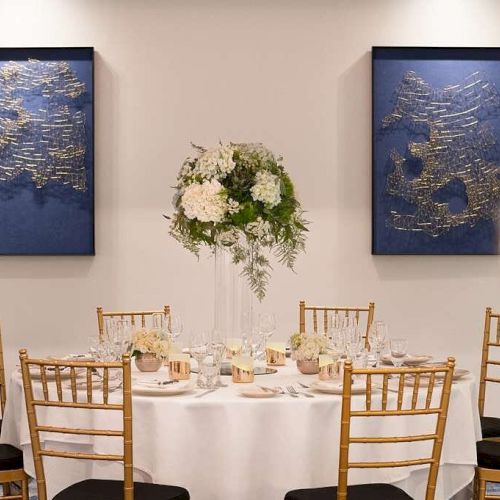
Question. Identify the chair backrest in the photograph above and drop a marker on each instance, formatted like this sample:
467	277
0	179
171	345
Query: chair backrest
491	338
3	392
415	405
134	317
50	393
320	316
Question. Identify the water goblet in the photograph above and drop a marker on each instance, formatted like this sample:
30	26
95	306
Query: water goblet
399	349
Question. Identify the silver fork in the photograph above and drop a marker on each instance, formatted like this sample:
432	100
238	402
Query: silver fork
281	391
291	389
304	386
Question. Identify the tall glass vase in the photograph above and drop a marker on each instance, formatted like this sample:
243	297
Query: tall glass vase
233	300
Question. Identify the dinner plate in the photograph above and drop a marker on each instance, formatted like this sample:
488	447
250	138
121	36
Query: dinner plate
257	392
149	389
417	359
410	360
357	387
458	373
51	373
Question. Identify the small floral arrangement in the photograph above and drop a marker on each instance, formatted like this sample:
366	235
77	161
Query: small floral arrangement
238	197
308	347
149	341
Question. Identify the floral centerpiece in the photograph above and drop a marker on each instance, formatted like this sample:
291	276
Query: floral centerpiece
238	197
306	350
149	349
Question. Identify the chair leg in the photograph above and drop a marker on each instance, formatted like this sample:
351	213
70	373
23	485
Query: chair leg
482	490
25	487
6	489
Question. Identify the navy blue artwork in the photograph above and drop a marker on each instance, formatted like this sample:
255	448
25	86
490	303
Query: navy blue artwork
46	151
436	150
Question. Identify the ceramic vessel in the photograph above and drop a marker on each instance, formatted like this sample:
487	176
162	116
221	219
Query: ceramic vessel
147	362
308	367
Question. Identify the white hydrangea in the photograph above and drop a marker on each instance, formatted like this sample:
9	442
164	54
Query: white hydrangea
266	188
261	229
206	202
215	163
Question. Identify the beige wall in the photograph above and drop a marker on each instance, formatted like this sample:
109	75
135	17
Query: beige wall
293	74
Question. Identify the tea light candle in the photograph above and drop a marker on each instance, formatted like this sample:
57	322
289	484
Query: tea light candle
242	369
179	365
233	347
276	353
328	367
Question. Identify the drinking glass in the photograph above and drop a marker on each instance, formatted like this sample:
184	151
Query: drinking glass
267	324
209	369
218	348
377	337
174	326
198	348
399	349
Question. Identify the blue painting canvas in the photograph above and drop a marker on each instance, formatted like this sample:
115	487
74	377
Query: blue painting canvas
436	150
46	151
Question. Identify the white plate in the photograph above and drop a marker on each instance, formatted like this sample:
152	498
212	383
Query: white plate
417	359
457	374
410	360
163	390
51	374
257	392
336	387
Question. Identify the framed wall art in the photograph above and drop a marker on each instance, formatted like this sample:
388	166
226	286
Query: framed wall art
46	151
436	150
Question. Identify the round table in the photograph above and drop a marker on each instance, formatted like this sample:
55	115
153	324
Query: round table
223	445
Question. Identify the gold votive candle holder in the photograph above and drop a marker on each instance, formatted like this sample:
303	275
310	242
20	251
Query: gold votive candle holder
242	369
328	367
233	347
276	354
179	366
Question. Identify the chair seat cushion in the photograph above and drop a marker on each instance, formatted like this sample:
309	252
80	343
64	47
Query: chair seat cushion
10	457
488	454
490	427
356	492
101	489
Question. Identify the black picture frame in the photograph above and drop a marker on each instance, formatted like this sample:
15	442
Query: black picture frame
444	220
48	203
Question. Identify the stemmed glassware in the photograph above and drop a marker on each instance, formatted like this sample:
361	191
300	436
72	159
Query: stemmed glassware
399	349
174	326
198	348
377	337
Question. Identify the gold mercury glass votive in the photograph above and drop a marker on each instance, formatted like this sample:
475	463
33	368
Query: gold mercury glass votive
233	347
242	369
328	367
276	354
179	366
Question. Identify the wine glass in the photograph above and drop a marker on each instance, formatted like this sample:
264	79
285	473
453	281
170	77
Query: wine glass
267	324
377	337
198	348
174	326
399	349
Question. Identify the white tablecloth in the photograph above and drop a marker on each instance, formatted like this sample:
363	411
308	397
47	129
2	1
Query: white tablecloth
225	446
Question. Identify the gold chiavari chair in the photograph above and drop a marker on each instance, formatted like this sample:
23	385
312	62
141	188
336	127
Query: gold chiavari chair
11	458
416	403
320	315
488	449
134	316
51	394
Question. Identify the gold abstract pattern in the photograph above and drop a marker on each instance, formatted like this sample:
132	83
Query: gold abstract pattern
460	147
40	131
